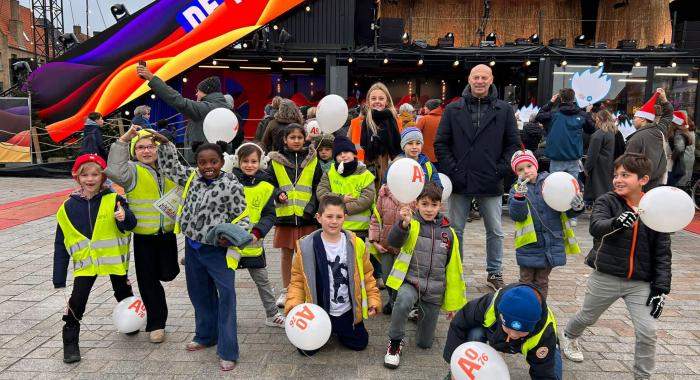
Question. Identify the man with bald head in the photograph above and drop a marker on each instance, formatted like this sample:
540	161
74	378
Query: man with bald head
476	138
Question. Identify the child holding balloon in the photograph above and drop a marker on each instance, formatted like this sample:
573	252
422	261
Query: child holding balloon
412	146
97	242
543	236
630	261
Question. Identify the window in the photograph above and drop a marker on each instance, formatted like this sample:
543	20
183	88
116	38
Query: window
680	83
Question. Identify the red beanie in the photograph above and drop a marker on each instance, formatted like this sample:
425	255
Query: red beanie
521	156
84	159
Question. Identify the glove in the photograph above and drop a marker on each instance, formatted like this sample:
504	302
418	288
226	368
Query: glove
577	202
625	220
656	300
520	189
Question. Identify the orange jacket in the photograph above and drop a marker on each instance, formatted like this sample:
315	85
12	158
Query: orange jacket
428	124
355	134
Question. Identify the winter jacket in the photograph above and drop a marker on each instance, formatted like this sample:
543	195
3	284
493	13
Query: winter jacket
427	271
388	208
92	140
195	111
262	127
475	152
548	251
206	204
531	135
679	142
273	139
82	214
294	163
649	141
306	274
619	145
688	160
472	316
637	253
363	203
565	126
428	124
599	165
141	121
122	170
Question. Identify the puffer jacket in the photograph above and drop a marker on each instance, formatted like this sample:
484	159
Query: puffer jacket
637	253
427	271
649	141
364	202
388	208
565	125
548	251
294	163
302	287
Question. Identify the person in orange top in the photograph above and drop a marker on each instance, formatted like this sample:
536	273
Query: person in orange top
428	124
355	131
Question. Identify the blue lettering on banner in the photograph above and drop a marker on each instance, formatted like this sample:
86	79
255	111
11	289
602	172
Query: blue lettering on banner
194	14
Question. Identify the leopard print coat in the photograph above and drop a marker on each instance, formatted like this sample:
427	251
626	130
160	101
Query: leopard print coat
206	206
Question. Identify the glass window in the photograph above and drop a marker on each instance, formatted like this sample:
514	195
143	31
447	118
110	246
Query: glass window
680	84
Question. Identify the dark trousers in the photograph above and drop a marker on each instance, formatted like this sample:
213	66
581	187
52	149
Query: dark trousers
155	258
81	291
354	337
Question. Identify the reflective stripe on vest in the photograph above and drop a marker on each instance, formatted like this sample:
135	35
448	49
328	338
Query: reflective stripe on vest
531	342
455	288
141	198
352	185
182	200
298	194
525	233
256	197
429	169
108	250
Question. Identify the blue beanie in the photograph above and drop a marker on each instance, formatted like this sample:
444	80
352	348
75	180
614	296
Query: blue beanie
520	308
411	134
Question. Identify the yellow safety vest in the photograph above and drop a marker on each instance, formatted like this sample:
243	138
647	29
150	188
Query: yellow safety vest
455	288
107	252
525	233
359	258
298	194
352	185
256	197
531	342
141	198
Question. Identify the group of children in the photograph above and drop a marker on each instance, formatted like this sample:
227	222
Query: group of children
414	251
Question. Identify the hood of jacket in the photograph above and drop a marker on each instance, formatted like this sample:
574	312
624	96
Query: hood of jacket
492	95
569	109
246	180
436	112
283	120
141	121
287	157
91	124
216	97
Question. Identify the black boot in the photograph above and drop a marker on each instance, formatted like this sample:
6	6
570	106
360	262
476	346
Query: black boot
71	350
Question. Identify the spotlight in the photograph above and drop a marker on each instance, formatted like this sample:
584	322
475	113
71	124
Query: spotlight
491	37
68	40
447	41
214	62
420	62
275	27
600	63
673	63
564	63
450	35
21	69
528	63
126	113
280	59
492	63
245	45
350	59
119	11
455	63
386	60
580	40
627	44
308	8
315	59
637	63
535	39
153	96
184	80
406	38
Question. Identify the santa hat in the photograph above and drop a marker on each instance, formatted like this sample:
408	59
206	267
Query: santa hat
647	110
521	156
84	159
679	118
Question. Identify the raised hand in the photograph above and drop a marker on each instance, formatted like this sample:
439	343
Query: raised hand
120	214
143	72
130	134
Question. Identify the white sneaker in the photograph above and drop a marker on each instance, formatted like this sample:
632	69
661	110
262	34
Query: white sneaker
276	320
282	298
571	348
393	355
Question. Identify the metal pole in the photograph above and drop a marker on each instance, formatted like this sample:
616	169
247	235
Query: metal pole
87	18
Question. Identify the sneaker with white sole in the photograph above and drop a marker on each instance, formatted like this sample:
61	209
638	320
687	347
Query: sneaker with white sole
393	354
282	298
276	320
571	348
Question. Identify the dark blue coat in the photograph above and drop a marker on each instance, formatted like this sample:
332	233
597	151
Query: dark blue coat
565	126
92	140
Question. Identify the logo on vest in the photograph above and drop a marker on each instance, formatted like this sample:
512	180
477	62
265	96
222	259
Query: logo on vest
542	352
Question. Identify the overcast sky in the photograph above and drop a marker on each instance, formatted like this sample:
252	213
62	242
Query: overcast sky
74	12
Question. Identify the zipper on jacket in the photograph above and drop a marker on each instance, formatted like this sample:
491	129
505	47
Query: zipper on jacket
478	114
432	250
90	220
296	180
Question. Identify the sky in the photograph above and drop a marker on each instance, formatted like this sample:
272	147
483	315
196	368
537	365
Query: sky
97	22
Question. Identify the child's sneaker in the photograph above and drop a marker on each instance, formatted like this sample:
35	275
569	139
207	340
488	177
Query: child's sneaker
282	298
276	320
393	354
571	348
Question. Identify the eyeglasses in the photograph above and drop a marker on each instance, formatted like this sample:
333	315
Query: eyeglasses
146	147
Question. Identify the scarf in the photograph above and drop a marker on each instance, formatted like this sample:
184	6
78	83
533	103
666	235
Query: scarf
346	168
387	139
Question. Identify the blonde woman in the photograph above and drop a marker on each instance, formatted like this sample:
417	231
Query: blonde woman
381	131
601	155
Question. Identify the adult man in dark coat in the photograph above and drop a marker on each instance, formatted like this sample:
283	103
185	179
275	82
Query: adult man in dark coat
476	138
209	97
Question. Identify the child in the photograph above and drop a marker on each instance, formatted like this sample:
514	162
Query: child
630	261
412	146
248	160
97	242
543	236
324	147
295	176
155	244
335	260
428	271
211	202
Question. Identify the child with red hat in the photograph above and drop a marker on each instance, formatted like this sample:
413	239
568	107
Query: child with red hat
682	143
92	232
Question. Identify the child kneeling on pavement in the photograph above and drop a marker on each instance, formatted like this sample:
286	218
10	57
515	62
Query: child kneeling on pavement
331	268
428	270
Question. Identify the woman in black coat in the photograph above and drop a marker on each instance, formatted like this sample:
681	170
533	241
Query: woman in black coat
600	157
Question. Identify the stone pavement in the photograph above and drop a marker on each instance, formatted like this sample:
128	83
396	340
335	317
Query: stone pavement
30	320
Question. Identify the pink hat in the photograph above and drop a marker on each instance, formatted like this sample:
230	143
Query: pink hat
647	110
521	156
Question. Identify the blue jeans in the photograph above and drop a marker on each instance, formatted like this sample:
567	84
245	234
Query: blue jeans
478	334
210	284
351	335
490	210
572	167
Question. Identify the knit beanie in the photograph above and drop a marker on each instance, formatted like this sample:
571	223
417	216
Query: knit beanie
209	85
324	141
141	134
342	144
520	308
411	134
521	156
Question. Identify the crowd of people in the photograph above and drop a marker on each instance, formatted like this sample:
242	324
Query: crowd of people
343	237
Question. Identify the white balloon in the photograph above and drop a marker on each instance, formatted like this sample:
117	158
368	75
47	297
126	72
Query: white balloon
558	189
446	186
228	163
220	124
666	209
308	327
405	179
129	315
478	361
331	113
